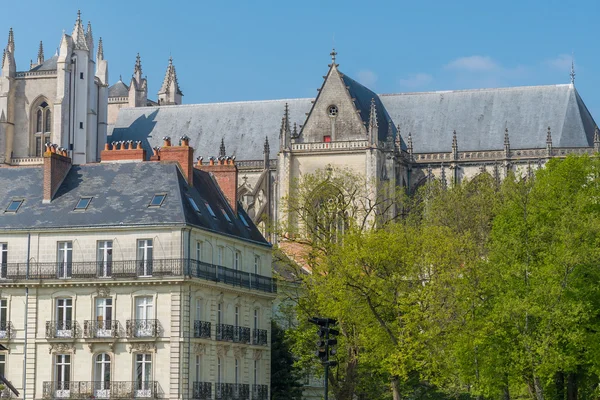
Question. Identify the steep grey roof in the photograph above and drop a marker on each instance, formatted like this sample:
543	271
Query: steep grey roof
480	117
121	194
47	65
119	89
242	125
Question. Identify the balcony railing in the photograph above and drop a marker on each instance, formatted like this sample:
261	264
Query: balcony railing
101	329
241	334
260	392
202	391
232	391
101	390
259	337
142	328
202	329
6	330
224	332
61	329
134	269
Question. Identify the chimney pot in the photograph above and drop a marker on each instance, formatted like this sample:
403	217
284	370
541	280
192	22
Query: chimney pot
106	146
167	141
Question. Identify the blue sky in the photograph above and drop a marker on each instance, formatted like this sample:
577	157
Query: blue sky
253	50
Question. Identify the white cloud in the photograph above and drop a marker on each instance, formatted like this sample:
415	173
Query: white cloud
416	80
562	62
367	78
473	64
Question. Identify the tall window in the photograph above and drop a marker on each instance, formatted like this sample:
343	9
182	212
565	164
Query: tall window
103	317
198	370
237	371
237	260
144	314
3	318
219	313
219	370
144	256
219	255
256	265
42	124
102	374
143	373
64	317
62	372
237	316
255	372
199	250
3	364
64	259
3	260
198	309
255	319
104	258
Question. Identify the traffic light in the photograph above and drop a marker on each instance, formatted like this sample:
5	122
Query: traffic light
326	340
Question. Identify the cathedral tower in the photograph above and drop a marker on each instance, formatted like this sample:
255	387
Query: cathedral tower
169	93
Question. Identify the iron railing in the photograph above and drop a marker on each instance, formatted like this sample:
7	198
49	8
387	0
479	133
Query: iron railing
135	269
224	332
232	391
202	329
202	391
61	329
241	334
6	331
259	337
260	392
101	390
101	329
142	328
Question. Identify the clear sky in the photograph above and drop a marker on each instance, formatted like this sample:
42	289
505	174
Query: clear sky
252	50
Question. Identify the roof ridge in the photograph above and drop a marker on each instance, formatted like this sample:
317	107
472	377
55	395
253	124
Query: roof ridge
476	90
220	103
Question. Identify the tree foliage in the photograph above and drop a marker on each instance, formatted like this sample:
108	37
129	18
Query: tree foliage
285	377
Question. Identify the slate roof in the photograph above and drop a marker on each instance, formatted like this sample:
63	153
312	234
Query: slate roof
121	194
119	89
47	65
479	117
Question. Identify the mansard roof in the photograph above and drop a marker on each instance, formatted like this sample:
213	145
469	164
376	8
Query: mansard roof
121	193
47	65
119	89
478	116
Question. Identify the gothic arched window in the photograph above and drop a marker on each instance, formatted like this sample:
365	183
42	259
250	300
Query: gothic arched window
42	127
327	214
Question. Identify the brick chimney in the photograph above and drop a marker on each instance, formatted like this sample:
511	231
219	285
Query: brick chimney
183	154
56	167
129	151
226	174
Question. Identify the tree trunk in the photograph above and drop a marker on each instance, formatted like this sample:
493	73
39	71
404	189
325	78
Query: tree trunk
559	383
395	388
572	386
539	391
505	389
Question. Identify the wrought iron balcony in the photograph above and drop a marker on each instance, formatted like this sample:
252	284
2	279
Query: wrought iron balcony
259	337
142	328
61	329
202	391
241	334
224	332
135	269
202	329
260	392
101	390
232	391
101	329
6	330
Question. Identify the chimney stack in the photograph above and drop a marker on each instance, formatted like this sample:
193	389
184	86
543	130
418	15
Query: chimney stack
129	151
56	167
183	154
226	174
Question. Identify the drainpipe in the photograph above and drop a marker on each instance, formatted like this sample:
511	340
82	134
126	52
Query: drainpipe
26	309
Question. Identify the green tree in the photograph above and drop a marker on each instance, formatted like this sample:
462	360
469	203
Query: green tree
285	377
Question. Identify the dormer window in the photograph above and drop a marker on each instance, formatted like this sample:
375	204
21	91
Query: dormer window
210	210
14	206
226	215
244	220
83	203
157	200
332	111
194	205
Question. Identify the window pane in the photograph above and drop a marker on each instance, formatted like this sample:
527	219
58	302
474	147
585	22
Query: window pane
38	125
48	121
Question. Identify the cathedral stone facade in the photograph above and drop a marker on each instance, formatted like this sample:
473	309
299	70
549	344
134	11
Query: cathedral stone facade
61	100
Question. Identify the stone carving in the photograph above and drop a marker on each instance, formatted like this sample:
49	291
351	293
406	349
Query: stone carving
239	352
103	291
62	348
257	354
142	347
199	348
222	350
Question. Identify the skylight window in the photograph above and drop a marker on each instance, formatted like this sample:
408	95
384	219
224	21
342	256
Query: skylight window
83	203
226	215
194	205
244	220
210	210
14	206
157	200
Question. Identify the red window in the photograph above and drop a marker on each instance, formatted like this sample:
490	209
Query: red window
327	139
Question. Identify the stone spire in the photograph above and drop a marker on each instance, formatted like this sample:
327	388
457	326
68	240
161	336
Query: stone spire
78	35
389	139
506	143
333	54
222	152
398	140
266	152
9	66
11	41
549	142
443	179
295	131
373	125
285	133
169	92
454	146
100	55
137	69
409	145
596	140
40	56
89	36
572	74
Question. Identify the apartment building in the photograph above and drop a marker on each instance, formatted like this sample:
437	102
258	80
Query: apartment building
132	279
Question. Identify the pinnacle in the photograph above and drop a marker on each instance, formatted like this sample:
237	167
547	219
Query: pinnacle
40	56
100	55
78	34
222	148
